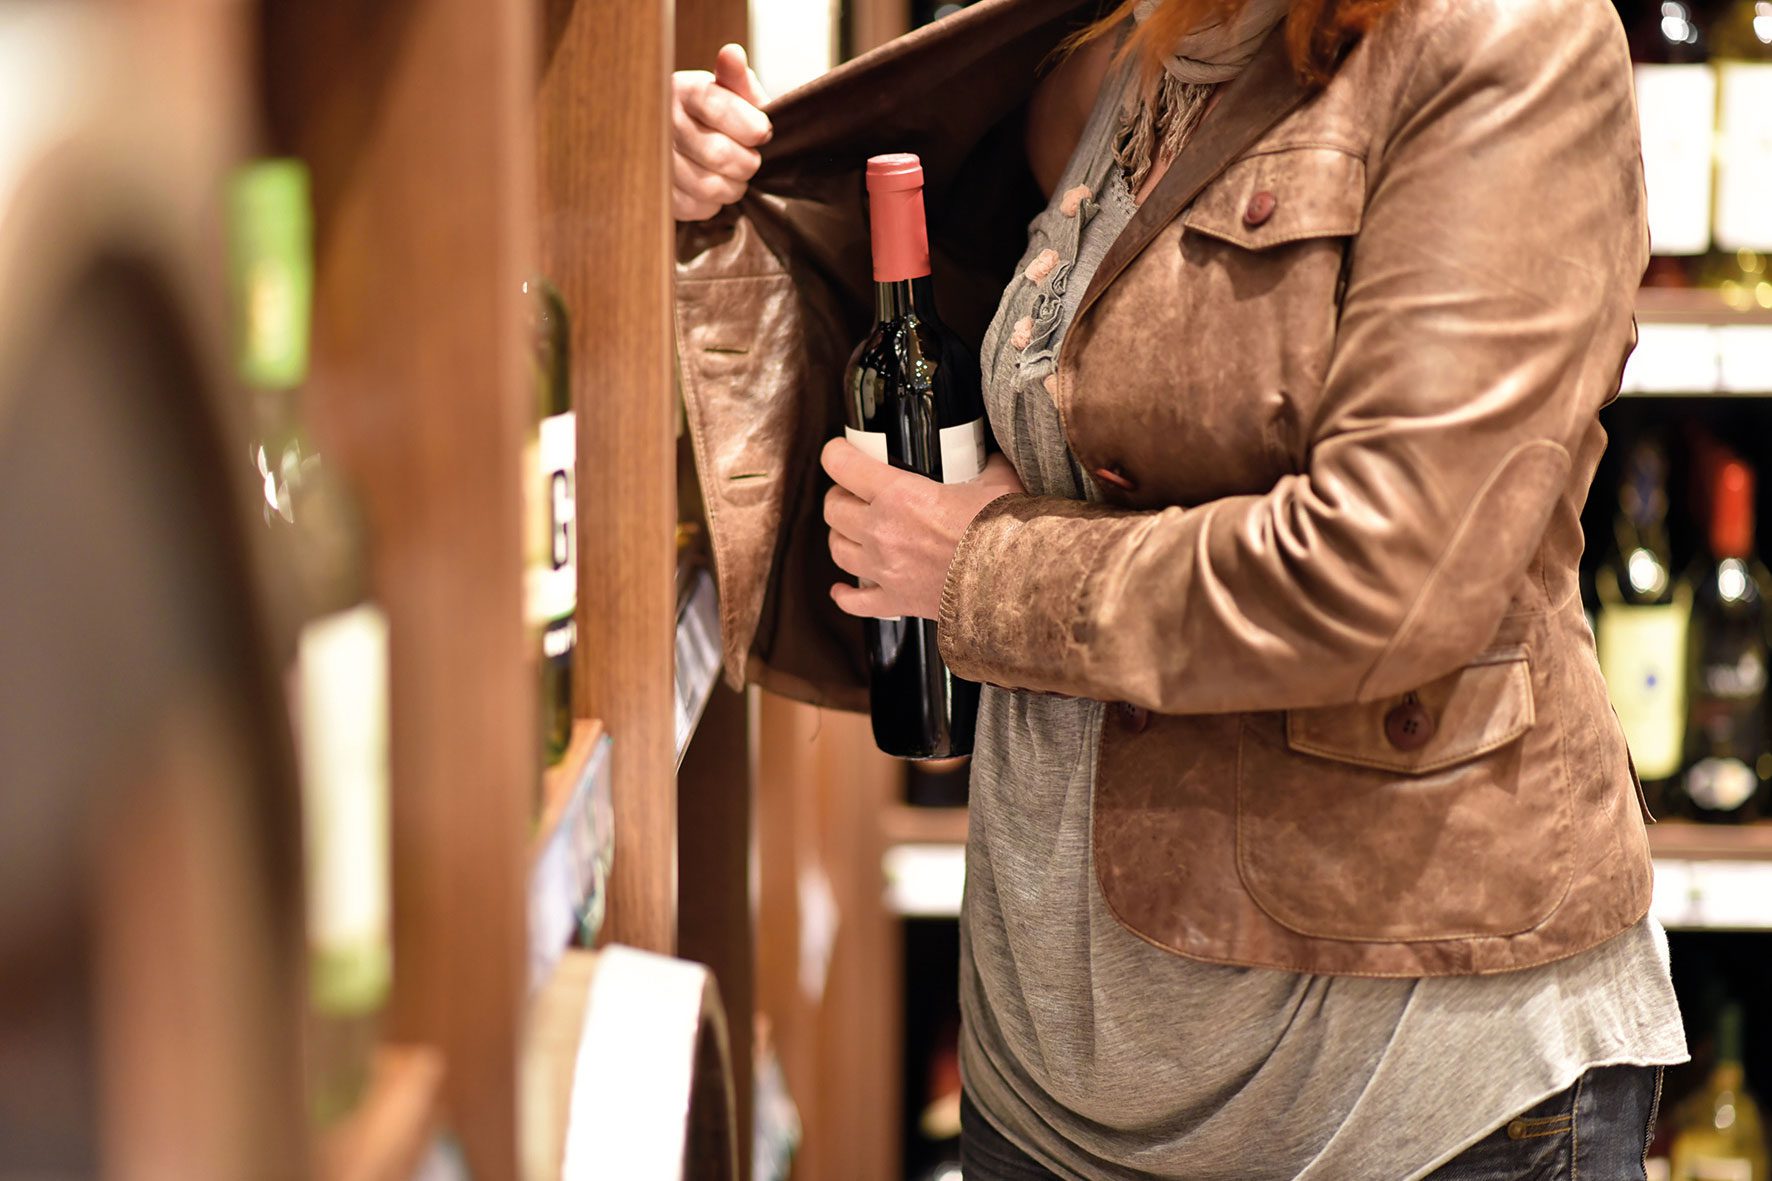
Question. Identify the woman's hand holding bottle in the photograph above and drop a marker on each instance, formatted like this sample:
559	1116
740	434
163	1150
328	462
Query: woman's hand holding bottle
716	128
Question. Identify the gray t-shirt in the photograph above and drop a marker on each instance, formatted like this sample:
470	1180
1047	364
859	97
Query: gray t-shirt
1105	1057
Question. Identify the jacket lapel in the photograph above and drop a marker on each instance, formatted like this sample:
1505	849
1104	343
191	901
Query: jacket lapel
1265	92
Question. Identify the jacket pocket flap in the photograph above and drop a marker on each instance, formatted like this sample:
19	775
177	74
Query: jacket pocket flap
1480	708
1283	195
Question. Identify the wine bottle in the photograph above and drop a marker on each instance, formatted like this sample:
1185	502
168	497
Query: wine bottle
912	400
339	673
1741	41
1641	633
550	479
1676	107
1728	763
1719	1135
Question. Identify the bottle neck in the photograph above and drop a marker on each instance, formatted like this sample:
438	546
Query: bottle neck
904	297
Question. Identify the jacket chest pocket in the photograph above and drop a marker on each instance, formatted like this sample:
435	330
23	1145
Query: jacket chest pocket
1267	247
1441	814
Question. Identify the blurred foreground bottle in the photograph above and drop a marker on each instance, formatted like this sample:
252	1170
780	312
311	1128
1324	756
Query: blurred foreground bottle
338	682
1643	619
1741	49
1719	1136
550	480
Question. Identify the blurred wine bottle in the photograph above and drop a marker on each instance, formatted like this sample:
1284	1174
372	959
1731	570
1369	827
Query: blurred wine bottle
1718	1134
1642	628
339	674
1741	46
1728	762
551	499
1676	108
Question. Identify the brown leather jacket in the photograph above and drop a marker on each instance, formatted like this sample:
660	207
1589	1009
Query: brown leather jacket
1343	368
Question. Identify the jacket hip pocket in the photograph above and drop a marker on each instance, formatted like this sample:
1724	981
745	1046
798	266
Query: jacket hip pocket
1441	814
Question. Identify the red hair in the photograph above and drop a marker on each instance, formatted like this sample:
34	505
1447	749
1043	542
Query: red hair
1318	32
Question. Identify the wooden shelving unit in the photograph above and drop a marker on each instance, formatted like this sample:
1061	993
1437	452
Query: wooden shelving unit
1694	305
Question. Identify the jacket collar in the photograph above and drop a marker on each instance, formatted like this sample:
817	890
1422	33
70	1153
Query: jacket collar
1265	92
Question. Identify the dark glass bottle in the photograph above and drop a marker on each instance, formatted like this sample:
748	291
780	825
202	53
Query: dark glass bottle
911	396
1642	628
1728	763
1676	104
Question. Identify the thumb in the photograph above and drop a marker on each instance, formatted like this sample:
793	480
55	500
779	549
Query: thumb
732	71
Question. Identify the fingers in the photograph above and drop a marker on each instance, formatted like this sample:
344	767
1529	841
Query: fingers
719	109
860	474
846	554
732	71
868	602
712	150
699	185
846	513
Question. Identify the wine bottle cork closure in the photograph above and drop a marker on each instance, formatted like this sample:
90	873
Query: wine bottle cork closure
900	233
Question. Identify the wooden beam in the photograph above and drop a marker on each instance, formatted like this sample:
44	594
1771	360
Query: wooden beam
414	117
603	119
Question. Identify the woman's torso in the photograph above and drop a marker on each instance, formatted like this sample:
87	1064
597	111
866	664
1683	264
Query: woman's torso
1107	1057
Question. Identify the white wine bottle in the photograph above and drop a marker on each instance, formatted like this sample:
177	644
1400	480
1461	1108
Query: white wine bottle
1741	48
1720	1136
339	674
550	481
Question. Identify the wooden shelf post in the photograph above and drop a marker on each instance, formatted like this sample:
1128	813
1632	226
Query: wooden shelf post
603	117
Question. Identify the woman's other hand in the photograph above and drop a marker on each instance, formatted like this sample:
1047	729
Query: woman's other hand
898	530
716	128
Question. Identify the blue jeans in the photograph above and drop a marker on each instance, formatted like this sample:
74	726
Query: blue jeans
1599	1128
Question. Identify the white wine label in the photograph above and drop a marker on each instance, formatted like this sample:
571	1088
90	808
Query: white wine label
341	700
1676	106
1744	156
962	452
1721	785
1719	1168
962	449
552	579
1643	658
870	443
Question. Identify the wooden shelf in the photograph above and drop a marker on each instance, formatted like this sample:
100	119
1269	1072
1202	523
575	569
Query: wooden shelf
1684	841
386	1137
568	850
1693	305
697	653
906	824
559	782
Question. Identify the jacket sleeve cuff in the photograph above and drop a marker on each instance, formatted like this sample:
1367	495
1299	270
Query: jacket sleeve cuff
1015	604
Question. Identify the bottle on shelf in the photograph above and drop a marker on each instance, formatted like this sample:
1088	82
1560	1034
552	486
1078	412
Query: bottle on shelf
339	672
1641	632
551	497
912	399
1718	1134
1728	759
1676	106
1741	47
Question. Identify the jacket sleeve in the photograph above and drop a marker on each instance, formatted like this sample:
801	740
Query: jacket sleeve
1485	320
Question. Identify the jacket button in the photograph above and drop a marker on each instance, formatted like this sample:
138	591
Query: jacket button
1261	207
1134	717
1117	477
1409	726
